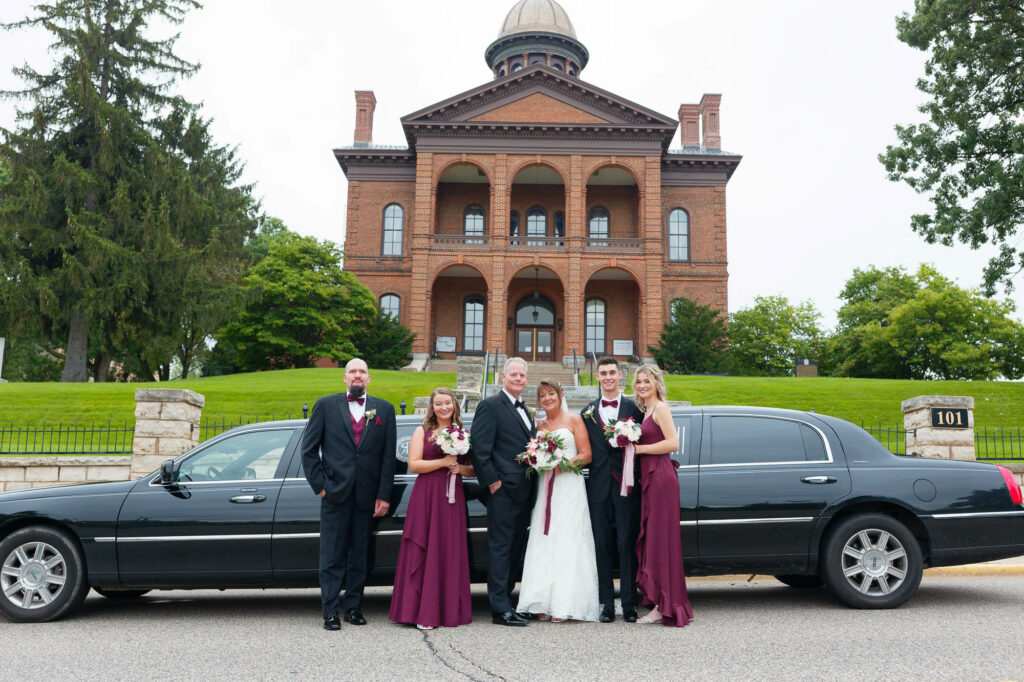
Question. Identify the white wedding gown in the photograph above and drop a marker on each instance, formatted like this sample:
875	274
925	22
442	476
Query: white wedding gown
560	572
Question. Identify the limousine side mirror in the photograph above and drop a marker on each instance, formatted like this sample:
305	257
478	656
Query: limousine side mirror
168	473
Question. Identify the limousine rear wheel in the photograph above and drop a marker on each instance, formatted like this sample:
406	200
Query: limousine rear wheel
42	576
872	561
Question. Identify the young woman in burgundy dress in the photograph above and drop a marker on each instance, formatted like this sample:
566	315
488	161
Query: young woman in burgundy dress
432	576
659	549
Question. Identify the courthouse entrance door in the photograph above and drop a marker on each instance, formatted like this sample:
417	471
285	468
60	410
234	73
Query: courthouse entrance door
535	329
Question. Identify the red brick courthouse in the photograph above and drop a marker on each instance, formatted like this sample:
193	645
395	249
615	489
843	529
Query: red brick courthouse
538	214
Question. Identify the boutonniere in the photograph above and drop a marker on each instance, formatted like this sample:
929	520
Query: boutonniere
589	413
531	411
370	414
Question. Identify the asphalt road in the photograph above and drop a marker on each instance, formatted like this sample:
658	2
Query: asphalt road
954	628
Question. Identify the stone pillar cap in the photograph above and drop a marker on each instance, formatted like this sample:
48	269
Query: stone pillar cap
169	395
925	401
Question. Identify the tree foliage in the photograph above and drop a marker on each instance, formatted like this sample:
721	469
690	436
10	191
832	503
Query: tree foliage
693	340
303	307
769	338
969	155
122	228
385	343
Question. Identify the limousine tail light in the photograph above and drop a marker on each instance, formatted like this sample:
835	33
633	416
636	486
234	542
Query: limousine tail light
1011	484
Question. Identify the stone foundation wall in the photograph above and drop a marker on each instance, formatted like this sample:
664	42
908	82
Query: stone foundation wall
18	473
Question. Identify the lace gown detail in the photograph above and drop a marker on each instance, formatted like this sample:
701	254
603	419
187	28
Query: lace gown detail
560	572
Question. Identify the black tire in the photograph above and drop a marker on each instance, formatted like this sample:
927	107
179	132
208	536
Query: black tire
803	582
871	561
36	558
119	595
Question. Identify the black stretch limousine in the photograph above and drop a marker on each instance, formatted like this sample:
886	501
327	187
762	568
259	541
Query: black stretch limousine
807	498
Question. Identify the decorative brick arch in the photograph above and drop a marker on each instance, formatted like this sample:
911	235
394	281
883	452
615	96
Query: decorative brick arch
526	163
538	264
622	164
637	279
459	161
441	267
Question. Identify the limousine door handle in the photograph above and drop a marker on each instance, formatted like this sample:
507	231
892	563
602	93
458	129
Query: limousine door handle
818	479
248	499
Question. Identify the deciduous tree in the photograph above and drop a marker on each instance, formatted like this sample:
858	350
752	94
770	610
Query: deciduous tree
693	340
769	338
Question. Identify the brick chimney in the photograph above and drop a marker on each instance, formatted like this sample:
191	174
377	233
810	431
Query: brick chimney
365	104
709	105
689	124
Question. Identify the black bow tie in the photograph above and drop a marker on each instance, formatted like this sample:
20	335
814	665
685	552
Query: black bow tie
520	405
356	400
609	403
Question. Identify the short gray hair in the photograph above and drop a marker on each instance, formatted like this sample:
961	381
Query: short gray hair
512	361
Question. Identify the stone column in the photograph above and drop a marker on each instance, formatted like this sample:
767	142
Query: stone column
166	425
937	426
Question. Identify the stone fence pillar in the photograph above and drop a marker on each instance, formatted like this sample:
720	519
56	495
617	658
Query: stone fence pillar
940	426
166	425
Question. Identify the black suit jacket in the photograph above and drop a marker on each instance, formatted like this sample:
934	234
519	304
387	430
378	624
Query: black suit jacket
498	435
606	464
333	463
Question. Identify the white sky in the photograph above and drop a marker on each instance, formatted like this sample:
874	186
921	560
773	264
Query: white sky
810	89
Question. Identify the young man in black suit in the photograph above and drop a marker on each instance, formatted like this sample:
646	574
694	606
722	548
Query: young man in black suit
615	518
501	428
348	455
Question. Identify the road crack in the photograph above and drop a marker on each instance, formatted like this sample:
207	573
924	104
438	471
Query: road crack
443	659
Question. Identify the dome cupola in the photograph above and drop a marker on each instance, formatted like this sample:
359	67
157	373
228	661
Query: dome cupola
536	32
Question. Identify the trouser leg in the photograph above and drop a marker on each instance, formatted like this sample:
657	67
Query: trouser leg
334	541
601	520
356	567
501	522
627	527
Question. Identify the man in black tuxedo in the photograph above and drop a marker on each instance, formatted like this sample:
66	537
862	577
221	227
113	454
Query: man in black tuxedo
348	454
615	518
501	428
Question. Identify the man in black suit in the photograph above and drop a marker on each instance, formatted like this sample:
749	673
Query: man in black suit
615	518
501	428
348	454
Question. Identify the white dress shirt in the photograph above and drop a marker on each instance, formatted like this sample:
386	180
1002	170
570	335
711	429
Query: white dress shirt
521	411
356	409
610	413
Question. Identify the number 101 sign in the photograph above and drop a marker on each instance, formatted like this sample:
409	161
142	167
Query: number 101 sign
949	418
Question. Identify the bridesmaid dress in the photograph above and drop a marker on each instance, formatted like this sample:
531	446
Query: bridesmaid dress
659	548
432	576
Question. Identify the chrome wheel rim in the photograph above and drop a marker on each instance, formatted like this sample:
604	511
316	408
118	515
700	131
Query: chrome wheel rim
33	575
874	562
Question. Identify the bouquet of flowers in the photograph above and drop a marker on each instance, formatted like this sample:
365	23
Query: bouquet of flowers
624	433
453	440
545	452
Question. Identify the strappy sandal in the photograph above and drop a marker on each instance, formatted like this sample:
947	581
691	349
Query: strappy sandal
559	620
424	627
543	616
647	620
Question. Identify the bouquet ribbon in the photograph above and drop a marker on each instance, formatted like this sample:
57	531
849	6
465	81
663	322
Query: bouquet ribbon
549	483
627	470
451	487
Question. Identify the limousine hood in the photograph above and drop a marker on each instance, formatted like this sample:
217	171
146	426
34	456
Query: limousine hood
77	490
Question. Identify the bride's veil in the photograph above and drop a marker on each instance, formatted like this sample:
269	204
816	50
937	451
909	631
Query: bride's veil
565	405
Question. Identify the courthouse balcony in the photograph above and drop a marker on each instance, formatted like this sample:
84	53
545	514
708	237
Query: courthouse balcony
458	241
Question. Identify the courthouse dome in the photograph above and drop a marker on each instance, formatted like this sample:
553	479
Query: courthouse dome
536	32
537	15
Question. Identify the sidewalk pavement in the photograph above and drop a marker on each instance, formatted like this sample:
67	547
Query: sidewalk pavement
1013	566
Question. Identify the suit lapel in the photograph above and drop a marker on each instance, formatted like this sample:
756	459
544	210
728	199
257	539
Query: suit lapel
370	404
346	417
515	414
623	408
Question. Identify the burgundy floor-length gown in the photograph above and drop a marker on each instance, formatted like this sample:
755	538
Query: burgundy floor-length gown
432	576
659	548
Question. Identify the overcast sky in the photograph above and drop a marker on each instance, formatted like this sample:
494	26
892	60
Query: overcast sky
810	89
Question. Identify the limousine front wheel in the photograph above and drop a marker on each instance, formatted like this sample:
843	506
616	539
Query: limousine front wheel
872	561
42	576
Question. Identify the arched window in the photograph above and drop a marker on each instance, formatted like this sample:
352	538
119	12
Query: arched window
394	220
556	66
572	71
678	235
473	324
595	326
598	230
501	72
560	226
390	304
536	224
513	223
517	67
473	224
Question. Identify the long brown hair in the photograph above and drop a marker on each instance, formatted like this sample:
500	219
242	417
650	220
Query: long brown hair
430	421
655	374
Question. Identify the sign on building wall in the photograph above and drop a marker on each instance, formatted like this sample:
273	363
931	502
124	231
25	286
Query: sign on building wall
949	418
622	347
446	344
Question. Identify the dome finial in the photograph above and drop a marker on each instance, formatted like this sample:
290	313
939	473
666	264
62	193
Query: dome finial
536	32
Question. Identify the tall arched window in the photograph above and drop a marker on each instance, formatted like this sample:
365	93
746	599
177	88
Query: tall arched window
513	223
536	224
678	235
473	324
517	67
394	220
390	304
595	326
473	224
598	231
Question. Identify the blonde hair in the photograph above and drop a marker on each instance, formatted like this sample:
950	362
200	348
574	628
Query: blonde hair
430	421
656	376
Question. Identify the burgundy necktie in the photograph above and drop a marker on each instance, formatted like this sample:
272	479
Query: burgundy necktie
609	403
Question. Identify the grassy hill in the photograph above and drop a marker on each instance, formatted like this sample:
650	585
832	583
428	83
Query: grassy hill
265	394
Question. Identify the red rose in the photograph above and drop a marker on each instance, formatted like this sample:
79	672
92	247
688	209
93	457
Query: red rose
622	441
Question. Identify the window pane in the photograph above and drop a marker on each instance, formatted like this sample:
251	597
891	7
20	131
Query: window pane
595	326
678	235
599	224
743	440
813	444
544	315
393	219
389	305
536	225
473	335
247	456
474	221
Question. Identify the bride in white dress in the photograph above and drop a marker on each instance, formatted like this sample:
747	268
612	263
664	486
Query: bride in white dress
560	573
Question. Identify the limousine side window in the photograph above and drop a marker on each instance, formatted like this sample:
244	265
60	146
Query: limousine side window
245	457
761	440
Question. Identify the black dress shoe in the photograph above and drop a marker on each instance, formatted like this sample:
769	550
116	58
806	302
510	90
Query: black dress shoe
355	616
629	614
510	618
526	615
607	613
331	622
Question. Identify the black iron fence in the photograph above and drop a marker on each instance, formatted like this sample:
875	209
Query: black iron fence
894	438
76	438
999	444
